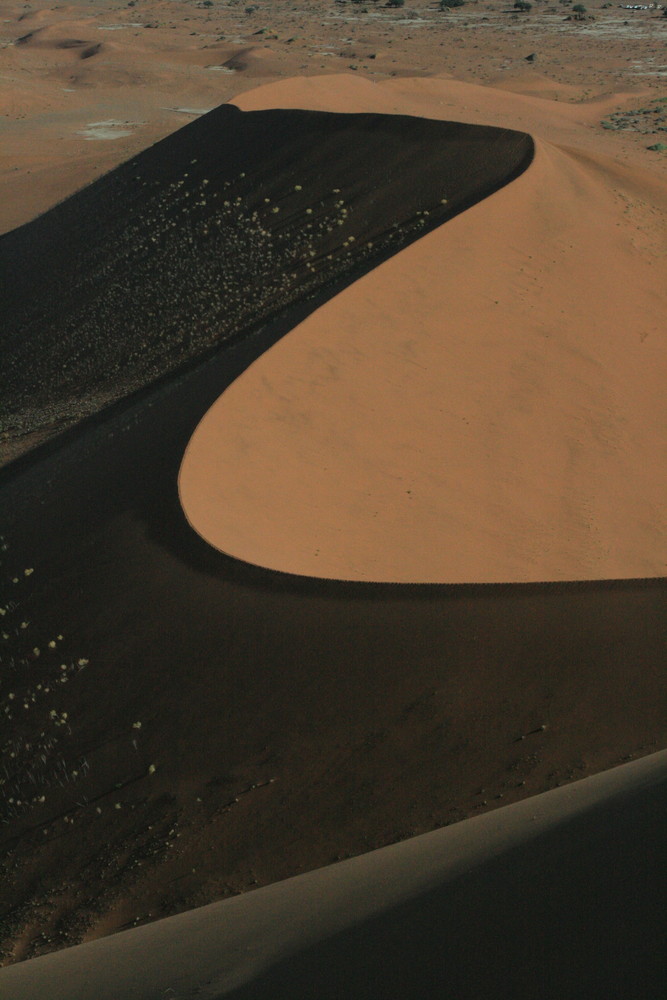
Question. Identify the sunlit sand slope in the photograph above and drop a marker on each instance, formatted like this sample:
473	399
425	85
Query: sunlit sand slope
559	896
487	406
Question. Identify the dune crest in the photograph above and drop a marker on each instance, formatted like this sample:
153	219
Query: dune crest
487	406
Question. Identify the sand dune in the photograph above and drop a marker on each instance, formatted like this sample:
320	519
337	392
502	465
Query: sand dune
253	62
534	84
560	896
156	56
227	727
46	14
69	37
487	406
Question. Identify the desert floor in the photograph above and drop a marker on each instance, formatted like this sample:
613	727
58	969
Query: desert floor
267	694
138	72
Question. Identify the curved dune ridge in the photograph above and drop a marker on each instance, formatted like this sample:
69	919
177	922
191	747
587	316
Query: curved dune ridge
486	406
211	233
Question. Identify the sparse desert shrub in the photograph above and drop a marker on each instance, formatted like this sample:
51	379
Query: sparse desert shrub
446	4
395	3
522	5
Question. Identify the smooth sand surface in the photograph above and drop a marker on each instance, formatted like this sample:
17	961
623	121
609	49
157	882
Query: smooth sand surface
486	406
560	896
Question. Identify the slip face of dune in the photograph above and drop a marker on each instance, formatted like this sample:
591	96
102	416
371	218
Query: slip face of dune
487	406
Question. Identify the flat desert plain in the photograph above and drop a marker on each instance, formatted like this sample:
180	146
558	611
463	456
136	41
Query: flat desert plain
332	500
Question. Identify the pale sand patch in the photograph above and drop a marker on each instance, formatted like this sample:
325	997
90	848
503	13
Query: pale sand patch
487	406
110	129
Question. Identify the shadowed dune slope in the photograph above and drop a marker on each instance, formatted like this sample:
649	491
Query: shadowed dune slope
486	406
210	232
562	896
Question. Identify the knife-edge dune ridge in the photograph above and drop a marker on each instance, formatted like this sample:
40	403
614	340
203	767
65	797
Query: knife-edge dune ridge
486	406
556	895
214	232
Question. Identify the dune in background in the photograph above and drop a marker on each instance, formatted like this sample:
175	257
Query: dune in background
560	896
486	406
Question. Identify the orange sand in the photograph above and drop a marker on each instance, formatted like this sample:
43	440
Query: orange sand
486	406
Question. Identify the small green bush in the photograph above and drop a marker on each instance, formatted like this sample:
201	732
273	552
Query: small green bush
446	4
522	5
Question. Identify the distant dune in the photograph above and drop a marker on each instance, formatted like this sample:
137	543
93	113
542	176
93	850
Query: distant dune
70	38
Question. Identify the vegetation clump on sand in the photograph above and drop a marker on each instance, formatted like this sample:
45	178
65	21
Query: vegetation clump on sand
648	120
31	700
